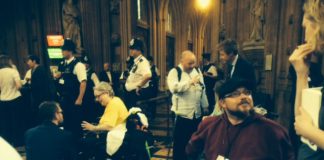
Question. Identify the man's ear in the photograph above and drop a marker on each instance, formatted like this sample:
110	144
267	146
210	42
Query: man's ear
222	104
56	116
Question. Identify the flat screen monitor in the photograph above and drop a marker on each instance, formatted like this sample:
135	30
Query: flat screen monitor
55	53
55	40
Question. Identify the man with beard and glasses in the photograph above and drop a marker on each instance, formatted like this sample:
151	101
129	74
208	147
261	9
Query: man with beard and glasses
239	133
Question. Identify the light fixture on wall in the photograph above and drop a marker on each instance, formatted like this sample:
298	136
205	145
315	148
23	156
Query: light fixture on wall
203	4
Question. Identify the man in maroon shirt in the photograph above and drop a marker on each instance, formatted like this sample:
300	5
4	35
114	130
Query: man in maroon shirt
239	133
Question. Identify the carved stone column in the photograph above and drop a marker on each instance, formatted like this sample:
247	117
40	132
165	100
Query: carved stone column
198	31
199	22
215	30
182	21
125	29
160	59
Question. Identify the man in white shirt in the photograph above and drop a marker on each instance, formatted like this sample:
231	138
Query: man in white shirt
137	83
189	101
72	81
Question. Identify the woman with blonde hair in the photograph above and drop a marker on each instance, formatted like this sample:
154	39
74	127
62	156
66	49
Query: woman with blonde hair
313	22
10	103
113	119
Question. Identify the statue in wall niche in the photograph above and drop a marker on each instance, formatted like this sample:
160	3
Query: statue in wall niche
257	19
71	26
115	39
114	6
222	33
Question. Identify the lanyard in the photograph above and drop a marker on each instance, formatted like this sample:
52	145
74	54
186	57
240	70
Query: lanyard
231	142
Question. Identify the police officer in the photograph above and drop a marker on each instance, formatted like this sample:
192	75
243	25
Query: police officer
137	83
72	81
91	110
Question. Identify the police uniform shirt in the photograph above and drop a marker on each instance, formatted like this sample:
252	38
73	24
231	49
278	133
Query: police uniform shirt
79	70
140	69
94	79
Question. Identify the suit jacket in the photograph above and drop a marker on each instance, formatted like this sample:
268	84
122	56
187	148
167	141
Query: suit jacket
40	86
48	142
114	79
104	77
244	70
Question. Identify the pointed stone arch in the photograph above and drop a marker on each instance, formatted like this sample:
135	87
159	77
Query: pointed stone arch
182	18
160	39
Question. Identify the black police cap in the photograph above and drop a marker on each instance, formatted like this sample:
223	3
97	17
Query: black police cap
68	45
136	44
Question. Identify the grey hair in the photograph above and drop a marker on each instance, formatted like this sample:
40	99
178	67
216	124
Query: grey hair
104	87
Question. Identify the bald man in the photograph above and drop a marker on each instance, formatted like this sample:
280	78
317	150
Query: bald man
189	101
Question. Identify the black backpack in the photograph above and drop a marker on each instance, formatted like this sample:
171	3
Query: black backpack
179	71
155	78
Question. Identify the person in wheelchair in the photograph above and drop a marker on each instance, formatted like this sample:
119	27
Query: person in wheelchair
135	142
114	118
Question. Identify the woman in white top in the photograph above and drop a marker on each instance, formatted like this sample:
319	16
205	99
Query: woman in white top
10	102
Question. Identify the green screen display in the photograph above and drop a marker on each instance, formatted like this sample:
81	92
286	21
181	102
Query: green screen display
54	53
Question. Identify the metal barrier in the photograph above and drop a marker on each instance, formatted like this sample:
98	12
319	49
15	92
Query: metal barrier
166	97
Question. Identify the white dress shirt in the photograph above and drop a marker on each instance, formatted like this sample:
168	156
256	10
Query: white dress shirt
234	64
109	76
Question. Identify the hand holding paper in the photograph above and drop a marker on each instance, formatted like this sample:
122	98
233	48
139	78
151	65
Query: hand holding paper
309	113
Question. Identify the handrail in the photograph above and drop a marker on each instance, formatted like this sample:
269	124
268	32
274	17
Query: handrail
160	97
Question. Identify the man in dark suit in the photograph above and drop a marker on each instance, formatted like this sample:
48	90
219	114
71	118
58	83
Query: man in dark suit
108	76
235	65
40	85
48	141
39	81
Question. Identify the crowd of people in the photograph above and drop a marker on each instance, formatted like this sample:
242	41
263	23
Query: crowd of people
76	93
84	116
